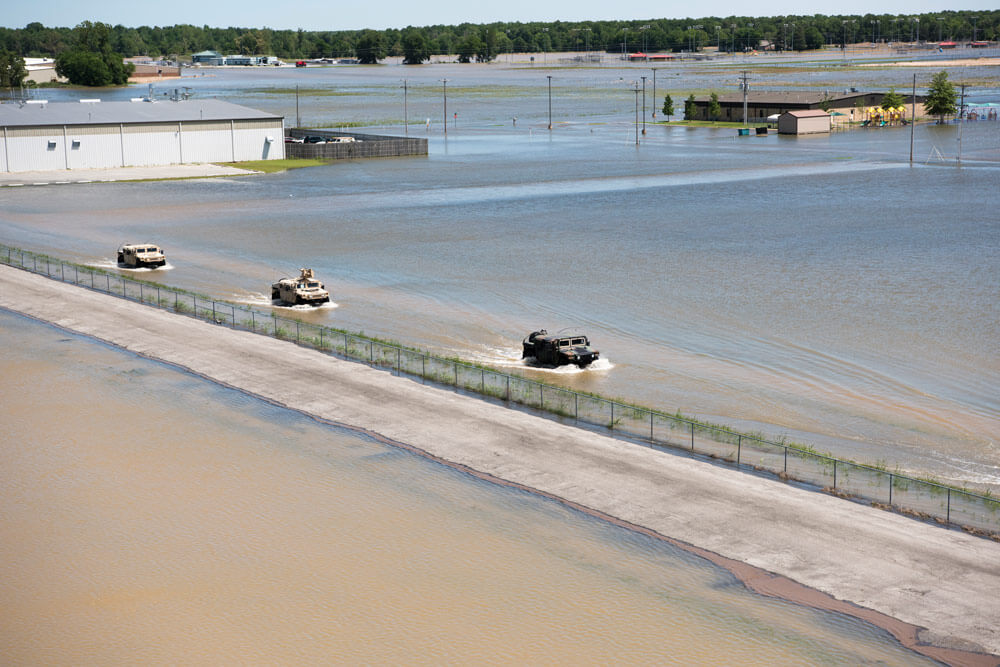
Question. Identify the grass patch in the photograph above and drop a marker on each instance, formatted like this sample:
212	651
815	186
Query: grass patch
273	166
710	123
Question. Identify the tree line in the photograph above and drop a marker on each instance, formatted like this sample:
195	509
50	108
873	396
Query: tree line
484	42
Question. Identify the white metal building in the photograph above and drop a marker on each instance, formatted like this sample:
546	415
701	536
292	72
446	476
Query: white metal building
39	136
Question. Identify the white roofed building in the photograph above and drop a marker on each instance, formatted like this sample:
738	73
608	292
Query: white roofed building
41	136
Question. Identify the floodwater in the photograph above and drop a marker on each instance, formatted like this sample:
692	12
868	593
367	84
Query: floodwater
150	516
821	289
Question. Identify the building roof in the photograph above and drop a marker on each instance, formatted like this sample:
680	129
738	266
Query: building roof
104	113
778	98
806	113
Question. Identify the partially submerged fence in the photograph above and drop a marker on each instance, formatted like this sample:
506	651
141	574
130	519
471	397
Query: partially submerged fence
879	486
360	146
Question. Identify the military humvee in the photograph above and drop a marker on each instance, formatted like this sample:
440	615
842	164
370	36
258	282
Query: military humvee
140	255
302	290
559	350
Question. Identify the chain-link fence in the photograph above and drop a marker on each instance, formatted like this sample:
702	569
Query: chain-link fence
876	485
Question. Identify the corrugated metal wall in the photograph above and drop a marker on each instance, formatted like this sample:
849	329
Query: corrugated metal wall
148	144
140	144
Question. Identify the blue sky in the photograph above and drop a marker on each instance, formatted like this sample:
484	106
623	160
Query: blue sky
326	15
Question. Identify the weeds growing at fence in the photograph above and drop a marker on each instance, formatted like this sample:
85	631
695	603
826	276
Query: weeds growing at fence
616	414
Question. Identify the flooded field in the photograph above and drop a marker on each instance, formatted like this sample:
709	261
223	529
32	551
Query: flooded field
821	289
163	519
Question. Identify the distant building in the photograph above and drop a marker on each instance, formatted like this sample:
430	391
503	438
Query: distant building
808	121
762	104
40	136
41	70
207	58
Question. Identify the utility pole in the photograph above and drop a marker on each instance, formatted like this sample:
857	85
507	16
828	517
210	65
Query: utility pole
644	106
406	124
745	85
961	123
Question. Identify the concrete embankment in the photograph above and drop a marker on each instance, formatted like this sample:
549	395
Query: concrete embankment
897	572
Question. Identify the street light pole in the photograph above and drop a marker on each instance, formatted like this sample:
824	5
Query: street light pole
643	106
445	89
549	77
654	92
636	113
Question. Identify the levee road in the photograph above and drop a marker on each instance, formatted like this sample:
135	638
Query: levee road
926	584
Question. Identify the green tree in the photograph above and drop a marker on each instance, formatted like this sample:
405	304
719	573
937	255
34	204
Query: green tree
83	68
12	71
941	97
415	50
892	99
690	108
92	62
714	108
370	47
668	106
468	47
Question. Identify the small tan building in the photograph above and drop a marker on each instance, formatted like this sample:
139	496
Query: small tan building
806	121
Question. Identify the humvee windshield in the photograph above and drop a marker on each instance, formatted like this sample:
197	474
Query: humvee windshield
579	341
313	285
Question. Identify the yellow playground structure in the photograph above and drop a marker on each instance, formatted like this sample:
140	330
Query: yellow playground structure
879	117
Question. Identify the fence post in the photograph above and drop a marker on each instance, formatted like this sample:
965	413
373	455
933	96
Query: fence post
508	388
233	321
948	516
62	271
108	277
612	415
651	427
786	458
423	366
195	307
541	397
835	473
739	446
253	321
76	269
576	405
482	381
142	296
454	367
158	297
398	365
890	489
692	436
321	337
371	351
214	317
296	331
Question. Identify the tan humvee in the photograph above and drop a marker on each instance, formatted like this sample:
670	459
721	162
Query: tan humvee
141	255
302	290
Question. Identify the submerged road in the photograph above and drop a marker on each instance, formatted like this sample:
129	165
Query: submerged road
926	584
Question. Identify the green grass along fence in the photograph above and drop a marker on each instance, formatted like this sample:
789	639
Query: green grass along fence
978	513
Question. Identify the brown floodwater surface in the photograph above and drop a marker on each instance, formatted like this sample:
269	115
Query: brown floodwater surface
150	516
